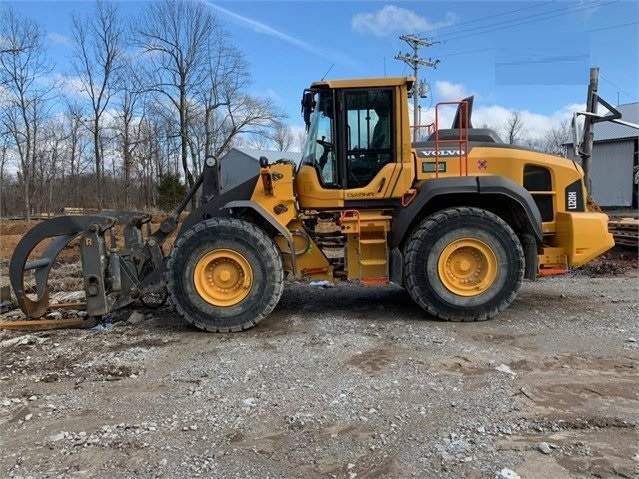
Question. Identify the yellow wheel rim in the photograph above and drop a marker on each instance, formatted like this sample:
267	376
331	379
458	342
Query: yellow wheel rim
467	267
223	277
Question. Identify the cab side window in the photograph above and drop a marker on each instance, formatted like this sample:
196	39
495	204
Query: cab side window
319	149
369	134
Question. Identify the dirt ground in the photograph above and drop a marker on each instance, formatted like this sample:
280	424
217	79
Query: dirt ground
342	382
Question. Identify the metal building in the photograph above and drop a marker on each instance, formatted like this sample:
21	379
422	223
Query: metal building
613	174
240	164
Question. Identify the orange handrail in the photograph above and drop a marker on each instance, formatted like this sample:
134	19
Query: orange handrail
461	141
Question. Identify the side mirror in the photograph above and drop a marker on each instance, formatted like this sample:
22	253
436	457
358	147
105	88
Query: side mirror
263	162
308	105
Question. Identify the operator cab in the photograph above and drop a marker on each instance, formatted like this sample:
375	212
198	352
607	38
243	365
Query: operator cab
352	147
368	137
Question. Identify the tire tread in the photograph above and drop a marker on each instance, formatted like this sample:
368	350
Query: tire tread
267	248
425	229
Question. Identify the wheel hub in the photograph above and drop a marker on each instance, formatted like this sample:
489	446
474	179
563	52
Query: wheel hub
467	267
464	265
223	277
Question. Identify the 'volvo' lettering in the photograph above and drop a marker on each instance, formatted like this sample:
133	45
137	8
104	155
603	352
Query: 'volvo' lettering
432	153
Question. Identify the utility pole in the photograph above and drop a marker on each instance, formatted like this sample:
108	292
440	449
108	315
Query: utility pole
416	62
589	134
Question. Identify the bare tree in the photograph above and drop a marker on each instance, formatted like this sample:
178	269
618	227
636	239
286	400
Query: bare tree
204	78
553	141
300	140
155	152
75	161
514	128
197	105
4	159
282	137
228	80
235	112
534	143
129	116
279	138
255	141
23	63
98	58
50	151
227	72
246	114
175	37
555	138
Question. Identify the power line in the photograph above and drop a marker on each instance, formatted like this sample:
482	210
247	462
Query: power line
515	23
618	88
490	17
591	4
612	26
466	52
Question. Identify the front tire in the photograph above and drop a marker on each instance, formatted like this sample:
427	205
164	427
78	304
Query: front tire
225	275
463	264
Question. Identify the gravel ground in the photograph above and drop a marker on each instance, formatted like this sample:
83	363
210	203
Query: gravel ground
340	382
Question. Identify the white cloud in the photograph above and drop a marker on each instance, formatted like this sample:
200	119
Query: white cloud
73	86
299	135
447	91
60	39
391	19
274	95
536	125
494	117
5	95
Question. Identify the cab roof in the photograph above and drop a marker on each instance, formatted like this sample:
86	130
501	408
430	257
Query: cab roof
365	82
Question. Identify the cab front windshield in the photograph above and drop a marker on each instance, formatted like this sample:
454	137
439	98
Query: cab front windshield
319	149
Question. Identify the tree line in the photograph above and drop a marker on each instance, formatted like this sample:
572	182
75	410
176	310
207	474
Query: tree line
147	98
553	141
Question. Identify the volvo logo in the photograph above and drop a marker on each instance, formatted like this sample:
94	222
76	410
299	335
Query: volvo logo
433	153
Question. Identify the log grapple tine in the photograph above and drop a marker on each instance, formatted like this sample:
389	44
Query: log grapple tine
64	229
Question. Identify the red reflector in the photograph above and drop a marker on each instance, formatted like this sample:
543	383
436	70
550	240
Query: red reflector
552	271
373	281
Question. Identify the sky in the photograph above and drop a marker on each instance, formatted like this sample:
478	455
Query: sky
532	57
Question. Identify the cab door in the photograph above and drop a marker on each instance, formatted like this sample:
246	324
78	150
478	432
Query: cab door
353	150
367	131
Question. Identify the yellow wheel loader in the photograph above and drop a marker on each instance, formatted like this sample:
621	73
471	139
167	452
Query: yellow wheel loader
459	220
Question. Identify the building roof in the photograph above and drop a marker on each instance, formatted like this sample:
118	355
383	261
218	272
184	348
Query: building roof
607	130
272	156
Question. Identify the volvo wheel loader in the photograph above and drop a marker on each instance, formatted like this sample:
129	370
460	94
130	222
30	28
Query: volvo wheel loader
459	220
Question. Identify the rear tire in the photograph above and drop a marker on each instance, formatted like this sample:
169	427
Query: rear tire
463	264
224	275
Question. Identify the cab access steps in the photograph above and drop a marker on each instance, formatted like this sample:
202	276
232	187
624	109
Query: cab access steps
366	245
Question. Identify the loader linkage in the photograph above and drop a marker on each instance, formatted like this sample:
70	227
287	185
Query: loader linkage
112	277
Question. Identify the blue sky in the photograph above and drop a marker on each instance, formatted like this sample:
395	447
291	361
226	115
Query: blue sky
533	57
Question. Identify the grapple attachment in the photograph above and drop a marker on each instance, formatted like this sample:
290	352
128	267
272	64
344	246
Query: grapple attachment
112	277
